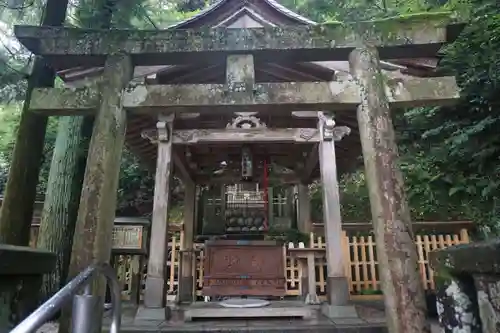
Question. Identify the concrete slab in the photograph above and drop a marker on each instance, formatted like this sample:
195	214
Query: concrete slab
145	320
150	314
337	312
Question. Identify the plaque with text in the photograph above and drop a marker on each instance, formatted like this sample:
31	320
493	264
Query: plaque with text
236	268
128	238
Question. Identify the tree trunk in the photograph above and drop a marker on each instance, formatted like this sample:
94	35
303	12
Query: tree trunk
17	208
60	207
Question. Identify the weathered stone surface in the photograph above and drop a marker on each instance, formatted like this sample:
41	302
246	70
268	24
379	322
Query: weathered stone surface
94	227
488	300
221	96
396	251
285	97
331	41
66	101
456	308
21	270
19	260
475	266
475	258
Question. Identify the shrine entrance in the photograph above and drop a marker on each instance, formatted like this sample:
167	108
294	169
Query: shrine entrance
265	100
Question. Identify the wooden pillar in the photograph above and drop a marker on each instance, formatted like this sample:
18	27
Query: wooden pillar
154	296
396	251
337	283
96	213
304	208
186	280
270	207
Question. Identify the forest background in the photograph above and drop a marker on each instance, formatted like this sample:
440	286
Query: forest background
450	157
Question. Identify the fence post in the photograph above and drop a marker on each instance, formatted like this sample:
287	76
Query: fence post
464	236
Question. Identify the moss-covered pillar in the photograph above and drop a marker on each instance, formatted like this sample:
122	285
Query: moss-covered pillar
397	255
337	283
154	296
96	213
186	280
94	227
304	222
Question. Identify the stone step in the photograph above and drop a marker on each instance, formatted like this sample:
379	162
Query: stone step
261	327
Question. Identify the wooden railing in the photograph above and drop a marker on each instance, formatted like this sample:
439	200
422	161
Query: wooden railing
361	265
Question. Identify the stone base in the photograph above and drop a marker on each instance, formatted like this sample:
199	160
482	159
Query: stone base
340	311
244	303
304	286
280	309
186	289
337	289
153	294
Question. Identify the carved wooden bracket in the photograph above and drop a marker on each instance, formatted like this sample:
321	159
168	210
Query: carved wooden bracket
151	135
163	130
332	132
160	134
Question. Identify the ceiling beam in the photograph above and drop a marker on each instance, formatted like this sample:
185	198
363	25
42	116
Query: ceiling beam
241	135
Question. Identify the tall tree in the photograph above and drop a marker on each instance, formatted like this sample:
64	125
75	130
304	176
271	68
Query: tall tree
17	208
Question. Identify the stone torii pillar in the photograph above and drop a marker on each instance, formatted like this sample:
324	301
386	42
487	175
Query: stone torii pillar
337	283
154	295
396	251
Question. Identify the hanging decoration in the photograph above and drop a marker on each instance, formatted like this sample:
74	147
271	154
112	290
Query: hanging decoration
246	164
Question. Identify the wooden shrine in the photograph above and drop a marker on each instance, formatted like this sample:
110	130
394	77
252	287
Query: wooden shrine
224	101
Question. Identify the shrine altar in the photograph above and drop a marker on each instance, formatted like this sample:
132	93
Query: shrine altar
244	268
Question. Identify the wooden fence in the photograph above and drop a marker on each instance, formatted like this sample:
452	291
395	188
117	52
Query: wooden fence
361	265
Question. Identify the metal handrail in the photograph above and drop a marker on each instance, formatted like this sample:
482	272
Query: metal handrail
48	309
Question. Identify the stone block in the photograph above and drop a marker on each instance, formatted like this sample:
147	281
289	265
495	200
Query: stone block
339	311
21	270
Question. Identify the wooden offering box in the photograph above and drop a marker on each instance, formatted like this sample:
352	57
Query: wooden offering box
238	268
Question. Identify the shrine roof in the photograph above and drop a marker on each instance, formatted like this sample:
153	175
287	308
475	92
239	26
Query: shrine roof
212	14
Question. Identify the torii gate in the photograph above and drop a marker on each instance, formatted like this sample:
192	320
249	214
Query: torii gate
369	92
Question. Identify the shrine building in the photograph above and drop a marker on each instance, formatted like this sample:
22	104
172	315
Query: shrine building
248	102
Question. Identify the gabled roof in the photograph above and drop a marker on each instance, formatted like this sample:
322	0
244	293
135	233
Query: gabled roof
270	8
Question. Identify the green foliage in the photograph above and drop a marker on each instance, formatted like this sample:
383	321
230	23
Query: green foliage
461	143
449	156
287	236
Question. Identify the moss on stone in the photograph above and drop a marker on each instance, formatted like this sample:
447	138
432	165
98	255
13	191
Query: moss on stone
416	28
